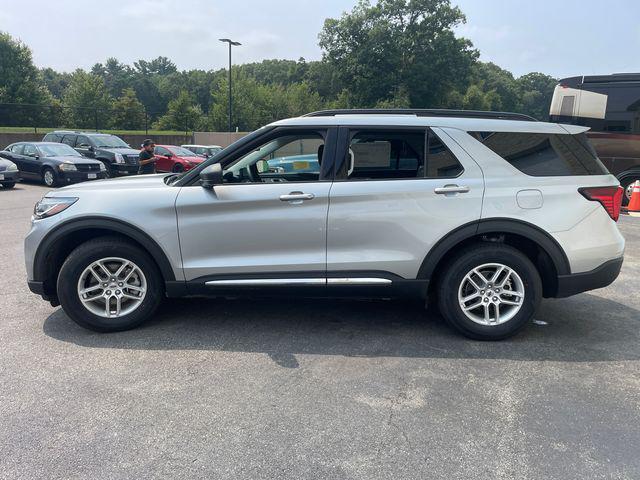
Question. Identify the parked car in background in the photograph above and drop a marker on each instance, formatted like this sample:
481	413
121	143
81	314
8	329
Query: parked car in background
54	164
205	151
117	156
171	158
294	164
9	173
482	213
610	106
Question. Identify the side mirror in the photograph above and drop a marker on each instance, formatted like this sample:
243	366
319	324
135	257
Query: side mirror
91	149
169	155
211	176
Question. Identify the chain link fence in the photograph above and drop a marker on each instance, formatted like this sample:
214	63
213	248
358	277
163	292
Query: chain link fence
39	118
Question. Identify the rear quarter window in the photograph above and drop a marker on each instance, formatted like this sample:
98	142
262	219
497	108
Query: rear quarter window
543	154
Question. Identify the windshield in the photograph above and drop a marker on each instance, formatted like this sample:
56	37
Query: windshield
58	150
109	141
182	152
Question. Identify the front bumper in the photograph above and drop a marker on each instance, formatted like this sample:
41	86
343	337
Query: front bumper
9	176
75	177
124	169
599	277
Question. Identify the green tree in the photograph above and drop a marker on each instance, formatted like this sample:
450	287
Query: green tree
394	45
116	76
88	105
20	82
128	112
182	114
159	66
536	91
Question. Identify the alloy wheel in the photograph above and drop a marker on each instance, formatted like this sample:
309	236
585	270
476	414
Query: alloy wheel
112	287
48	178
491	294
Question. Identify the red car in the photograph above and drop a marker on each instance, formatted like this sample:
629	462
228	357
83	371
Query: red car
171	158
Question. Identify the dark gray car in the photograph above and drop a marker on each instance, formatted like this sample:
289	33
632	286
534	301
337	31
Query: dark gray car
54	164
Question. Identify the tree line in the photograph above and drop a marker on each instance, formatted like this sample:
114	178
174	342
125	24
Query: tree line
393	53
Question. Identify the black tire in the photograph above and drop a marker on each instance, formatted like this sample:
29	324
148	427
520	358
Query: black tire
82	257
8	185
49	181
178	168
475	256
624	183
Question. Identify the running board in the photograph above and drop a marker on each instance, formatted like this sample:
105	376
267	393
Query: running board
257	282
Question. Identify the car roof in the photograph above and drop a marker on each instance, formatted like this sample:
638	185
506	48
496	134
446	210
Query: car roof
40	143
203	146
409	120
93	134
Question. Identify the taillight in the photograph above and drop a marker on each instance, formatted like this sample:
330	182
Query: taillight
609	197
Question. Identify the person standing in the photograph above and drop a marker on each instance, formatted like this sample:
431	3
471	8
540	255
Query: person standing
146	158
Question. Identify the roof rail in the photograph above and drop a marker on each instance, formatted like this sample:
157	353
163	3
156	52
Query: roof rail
423	112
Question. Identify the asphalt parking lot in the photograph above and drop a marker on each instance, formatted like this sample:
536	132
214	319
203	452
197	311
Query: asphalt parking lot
316	389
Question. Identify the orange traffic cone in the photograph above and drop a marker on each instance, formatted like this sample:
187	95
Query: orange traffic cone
634	203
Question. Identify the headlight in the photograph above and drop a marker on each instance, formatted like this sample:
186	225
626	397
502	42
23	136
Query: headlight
119	158
50	206
102	167
68	167
12	167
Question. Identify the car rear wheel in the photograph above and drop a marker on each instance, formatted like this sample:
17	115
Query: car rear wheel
49	177
8	185
109	285
177	168
489	292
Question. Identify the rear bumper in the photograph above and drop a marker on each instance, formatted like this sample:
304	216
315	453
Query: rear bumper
599	277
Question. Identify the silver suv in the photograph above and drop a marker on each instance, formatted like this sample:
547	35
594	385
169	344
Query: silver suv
483	213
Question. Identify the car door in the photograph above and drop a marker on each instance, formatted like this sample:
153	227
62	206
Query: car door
85	147
397	192
259	226
163	159
14	153
30	161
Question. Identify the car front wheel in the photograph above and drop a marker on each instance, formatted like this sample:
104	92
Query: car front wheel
489	292
109	285
49	177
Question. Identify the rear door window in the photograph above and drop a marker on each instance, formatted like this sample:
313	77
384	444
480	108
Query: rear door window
69	140
543	154
17	149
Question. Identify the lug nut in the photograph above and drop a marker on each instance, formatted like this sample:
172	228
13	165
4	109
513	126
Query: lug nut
117	292
486	300
495	299
120	284
108	292
481	291
105	284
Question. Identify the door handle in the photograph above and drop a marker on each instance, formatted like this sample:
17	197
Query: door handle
451	189
297	197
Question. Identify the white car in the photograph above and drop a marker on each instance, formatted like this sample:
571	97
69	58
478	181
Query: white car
486	213
205	151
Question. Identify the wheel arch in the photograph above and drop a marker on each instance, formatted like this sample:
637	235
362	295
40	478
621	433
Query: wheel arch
541	248
57	244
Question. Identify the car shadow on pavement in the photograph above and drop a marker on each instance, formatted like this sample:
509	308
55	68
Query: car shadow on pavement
584	328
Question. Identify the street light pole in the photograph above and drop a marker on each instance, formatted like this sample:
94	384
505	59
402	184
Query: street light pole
235	44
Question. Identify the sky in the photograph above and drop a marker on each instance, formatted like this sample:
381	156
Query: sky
560	38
